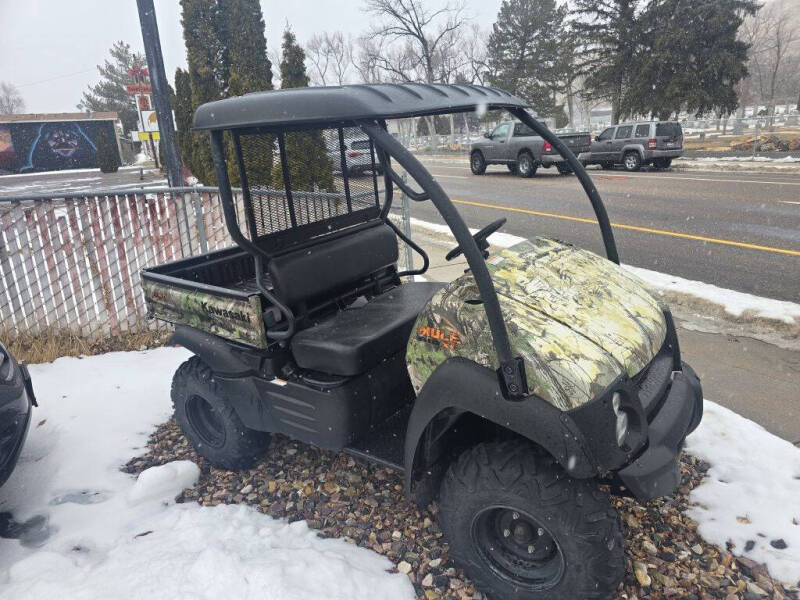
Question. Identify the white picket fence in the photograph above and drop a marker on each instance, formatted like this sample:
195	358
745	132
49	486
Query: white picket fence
72	263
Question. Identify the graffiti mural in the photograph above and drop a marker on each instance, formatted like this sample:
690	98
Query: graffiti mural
52	145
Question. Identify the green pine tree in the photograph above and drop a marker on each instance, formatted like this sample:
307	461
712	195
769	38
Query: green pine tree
206	58
609	34
183	119
107	155
110	93
683	66
250	70
226	52
524	50
306	154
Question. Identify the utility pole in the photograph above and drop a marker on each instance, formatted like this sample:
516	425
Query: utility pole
158	80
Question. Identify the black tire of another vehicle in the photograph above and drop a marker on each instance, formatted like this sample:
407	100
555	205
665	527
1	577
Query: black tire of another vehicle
563	168
607	166
477	163
526	167
531	505
209	421
512	168
662	163
632	161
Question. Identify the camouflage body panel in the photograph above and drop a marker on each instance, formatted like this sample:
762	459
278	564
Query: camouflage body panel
239	320
577	320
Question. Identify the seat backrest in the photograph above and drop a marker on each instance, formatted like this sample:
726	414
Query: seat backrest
332	267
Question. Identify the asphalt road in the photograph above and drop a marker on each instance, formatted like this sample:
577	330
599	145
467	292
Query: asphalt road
737	231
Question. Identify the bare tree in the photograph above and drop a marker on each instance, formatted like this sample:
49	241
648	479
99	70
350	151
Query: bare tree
423	40
413	42
11	101
773	34
330	56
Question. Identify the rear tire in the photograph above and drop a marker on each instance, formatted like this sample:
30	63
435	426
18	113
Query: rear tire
526	166
477	163
607	166
632	161
512	168
524	530
209	421
662	163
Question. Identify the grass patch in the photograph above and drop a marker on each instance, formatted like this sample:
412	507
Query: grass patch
47	347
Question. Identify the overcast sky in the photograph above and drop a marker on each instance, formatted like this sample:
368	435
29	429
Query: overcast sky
49	49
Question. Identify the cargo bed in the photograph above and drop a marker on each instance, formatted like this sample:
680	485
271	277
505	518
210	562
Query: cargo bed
215	292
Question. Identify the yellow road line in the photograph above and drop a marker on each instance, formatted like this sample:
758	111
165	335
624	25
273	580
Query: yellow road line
676	234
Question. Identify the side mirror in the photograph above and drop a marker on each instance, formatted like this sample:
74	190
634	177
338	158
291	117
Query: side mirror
487	135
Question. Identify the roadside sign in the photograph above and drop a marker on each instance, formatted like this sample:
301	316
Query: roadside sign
145	135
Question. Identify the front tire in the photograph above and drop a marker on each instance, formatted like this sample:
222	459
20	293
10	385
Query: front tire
524	530
607	166
526	166
632	161
477	163
209	421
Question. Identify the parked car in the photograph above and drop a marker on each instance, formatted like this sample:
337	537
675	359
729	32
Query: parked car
635	144
16	400
515	145
358	155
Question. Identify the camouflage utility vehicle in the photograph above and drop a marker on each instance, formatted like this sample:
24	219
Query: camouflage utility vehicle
509	395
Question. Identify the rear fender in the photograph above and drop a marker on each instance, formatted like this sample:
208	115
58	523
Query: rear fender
460	386
223	357
638	148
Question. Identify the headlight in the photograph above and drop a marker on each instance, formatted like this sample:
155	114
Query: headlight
622	420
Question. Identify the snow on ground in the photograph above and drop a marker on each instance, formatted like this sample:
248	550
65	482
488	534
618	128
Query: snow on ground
761	164
94	532
734	303
751	494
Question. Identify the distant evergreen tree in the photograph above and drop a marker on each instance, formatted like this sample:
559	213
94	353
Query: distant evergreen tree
107	156
110	94
306	154
682	65
524	51
249	70
609	34
226	52
206	57
183	118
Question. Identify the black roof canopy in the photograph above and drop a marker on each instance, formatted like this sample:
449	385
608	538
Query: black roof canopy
321	106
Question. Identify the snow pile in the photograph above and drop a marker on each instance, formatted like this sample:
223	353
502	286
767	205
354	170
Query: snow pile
734	303
751	494
739	163
142	158
93	532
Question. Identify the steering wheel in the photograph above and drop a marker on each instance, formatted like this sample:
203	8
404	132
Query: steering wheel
480	240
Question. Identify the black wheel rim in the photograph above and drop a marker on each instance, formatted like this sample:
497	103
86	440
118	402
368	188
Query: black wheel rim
517	548
206	421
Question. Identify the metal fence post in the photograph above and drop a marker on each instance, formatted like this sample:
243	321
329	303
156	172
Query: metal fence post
198	221
406	204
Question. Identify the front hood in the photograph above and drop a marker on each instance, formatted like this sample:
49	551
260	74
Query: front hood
578	320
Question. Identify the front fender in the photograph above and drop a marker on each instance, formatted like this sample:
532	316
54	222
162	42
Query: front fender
462	386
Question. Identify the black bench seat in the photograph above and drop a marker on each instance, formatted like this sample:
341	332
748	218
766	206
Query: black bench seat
356	339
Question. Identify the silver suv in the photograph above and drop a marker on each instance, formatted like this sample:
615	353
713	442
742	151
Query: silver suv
635	144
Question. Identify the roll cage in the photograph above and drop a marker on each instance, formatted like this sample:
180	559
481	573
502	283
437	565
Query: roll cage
367	108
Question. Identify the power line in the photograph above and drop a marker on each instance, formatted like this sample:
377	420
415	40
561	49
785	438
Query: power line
56	77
